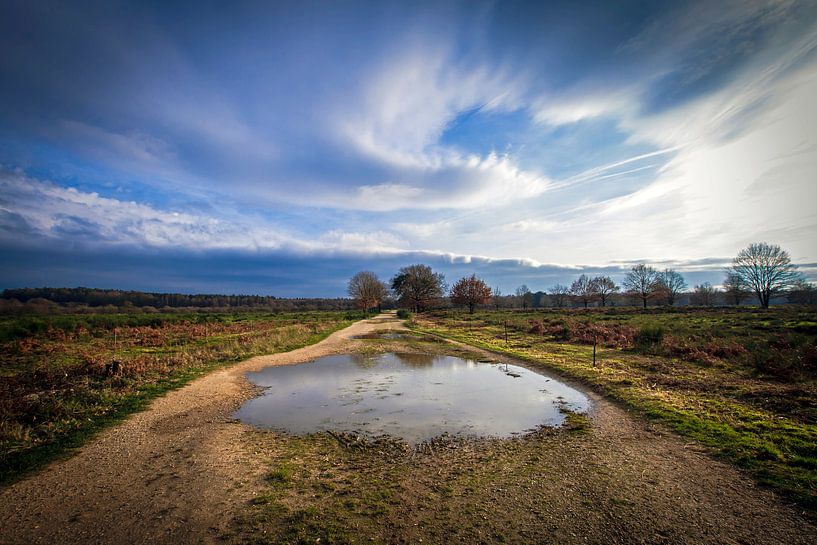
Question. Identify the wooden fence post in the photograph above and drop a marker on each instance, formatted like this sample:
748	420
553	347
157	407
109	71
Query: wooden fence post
595	340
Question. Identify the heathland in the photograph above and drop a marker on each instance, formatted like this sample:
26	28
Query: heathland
692	409
64	377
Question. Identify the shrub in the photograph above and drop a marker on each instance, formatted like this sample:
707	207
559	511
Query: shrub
784	357
403	314
611	335
685	349
648	337
771	360
537	328
560	331
725	350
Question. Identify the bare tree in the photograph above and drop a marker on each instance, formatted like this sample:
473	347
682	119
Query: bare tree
642	280
734	288
703	295
582	289
558	295
670	283
766	269
497	297
604	287
417	286
367	290
470	291
524	295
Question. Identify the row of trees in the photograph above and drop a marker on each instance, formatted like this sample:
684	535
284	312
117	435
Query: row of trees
642	282
78	298
761	269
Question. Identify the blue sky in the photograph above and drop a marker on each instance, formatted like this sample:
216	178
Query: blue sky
257	147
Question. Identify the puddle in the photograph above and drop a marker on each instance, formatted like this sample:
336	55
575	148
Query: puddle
412	396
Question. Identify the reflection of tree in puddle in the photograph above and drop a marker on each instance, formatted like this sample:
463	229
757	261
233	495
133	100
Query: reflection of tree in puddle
383	335
417	359
409	359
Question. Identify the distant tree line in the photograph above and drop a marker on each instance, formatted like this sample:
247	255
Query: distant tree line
98	299
761	270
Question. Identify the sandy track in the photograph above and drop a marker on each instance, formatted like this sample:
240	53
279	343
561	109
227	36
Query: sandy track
166	475
181	471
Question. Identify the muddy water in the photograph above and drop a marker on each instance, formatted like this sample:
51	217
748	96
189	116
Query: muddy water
412	396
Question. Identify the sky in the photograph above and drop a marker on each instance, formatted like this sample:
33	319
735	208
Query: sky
279	147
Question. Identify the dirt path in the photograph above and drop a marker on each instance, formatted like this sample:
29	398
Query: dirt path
170	474
181	471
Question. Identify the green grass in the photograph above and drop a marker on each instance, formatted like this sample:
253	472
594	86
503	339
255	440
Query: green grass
764	422
281	476
56	395
318	489
576	423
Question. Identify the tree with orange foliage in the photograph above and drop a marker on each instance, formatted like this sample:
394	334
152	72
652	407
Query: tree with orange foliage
470	291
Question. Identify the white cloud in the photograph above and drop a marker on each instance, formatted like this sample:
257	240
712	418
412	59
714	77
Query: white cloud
423	230
405	104
739	163
132	145
718	190
580	105
67	214
57	212
386	196
745	164
531	226
458	182
362	243
400	113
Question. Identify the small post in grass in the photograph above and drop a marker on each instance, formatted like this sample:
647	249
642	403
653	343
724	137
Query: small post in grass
112	368
595	341
505	323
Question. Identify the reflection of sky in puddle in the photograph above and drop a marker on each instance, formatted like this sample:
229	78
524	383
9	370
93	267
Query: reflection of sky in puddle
412	396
